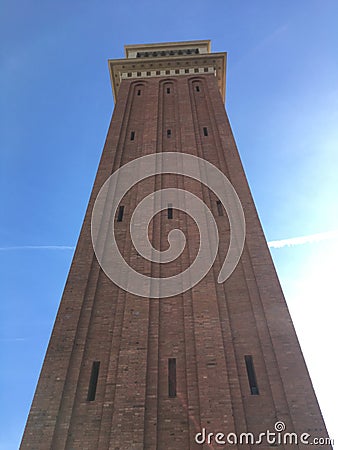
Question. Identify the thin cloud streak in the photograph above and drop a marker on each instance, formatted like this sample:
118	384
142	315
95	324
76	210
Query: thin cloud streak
38	247
309	239
290	242
13	339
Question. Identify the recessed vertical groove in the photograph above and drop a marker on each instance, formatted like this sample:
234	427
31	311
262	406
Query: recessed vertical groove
88	298
128	338
187	380
261	312
259	330
210	107
207	199
117	162
117	314
159	185
240	420
152	391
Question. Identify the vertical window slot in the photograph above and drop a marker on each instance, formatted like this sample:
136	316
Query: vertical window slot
170	211
251	375
219	208
172	377
197	88
120	213
168	90
93	381
139	92
205	131
132	135
168	133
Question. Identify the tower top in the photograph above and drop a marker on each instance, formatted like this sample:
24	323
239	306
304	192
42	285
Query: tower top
168	59
167	49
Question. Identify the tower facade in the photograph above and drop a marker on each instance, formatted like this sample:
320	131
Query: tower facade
158	371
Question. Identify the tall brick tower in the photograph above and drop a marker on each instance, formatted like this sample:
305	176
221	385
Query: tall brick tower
124	371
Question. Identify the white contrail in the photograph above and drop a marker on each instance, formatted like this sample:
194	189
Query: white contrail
272	244
304	239
38	247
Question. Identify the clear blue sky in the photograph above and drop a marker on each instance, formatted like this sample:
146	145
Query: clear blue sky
56	103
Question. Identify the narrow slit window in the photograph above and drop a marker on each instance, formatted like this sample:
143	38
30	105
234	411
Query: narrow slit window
251	375
205	131
219	208
170	211
93	381
197	88
172	377
120	213
139	92
168	133
168	90
132	135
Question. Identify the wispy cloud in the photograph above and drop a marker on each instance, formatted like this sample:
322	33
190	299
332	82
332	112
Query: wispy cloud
13	339
304	239
280	243
267	41
38	247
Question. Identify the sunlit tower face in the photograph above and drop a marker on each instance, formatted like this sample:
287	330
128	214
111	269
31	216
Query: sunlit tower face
143	355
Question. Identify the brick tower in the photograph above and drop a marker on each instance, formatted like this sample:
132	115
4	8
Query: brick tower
128	372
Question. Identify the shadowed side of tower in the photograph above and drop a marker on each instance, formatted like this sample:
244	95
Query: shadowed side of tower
128	372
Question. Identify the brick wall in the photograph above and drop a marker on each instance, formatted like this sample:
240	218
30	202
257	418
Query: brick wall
208	329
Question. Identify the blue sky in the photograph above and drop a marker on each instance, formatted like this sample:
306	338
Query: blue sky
56	103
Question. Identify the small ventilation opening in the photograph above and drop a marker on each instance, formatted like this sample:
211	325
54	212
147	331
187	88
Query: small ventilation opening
172	377
251	375
205	131
219	208
120	213
132	135
168	133
93	381
170	211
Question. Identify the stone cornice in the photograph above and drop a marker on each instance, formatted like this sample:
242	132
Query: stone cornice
136	65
